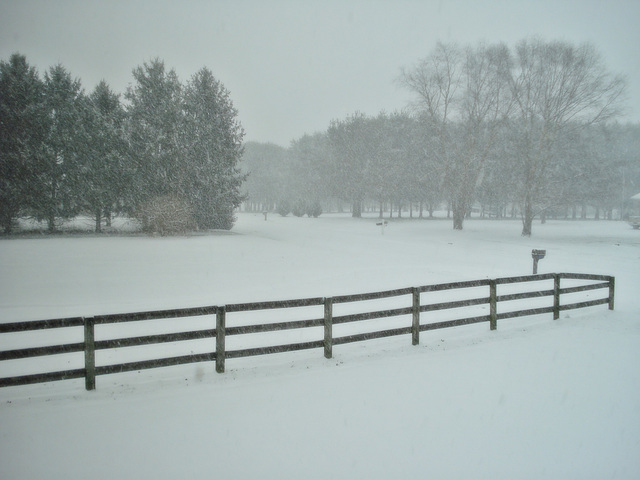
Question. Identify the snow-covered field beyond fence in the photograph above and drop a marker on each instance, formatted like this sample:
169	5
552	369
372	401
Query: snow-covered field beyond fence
535	399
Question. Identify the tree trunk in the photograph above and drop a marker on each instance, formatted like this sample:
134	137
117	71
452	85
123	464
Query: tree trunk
527	219
98	220
356	211
458	219
459	210
7	221
51	221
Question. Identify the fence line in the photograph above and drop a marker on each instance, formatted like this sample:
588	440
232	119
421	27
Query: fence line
328	320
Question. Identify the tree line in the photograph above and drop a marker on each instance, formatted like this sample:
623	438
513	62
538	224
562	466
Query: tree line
531	127
168	153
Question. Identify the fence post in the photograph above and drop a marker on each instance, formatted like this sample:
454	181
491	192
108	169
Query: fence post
328	327
89	353
493	305
415	324
220	334
556	296
612	291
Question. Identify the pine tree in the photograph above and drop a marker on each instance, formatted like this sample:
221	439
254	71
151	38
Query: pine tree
212	145
155	116
21	134
56	180
105	162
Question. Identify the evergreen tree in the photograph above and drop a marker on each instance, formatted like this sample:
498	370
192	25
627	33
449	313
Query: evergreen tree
212	146
56	178
105	163
21	134
154	132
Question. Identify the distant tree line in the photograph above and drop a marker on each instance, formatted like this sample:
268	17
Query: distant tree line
599	169
531	128
168	154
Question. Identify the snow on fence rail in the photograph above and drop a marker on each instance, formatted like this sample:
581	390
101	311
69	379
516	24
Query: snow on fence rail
419	323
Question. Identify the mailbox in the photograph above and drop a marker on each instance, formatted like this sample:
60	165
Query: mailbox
537	255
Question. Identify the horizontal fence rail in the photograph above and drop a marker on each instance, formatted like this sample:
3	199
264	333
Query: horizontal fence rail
217	337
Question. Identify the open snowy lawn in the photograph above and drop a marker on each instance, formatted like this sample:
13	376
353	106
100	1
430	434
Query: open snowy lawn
534	399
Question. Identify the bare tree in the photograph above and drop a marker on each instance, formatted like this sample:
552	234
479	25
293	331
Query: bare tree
464	95
556	88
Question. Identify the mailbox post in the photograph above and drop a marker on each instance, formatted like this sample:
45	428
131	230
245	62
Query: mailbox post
537	255
382	224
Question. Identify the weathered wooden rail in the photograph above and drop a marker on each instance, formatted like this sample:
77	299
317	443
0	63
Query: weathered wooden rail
90	345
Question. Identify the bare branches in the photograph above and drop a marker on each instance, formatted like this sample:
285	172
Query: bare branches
561	84
542	90
435	80
465	94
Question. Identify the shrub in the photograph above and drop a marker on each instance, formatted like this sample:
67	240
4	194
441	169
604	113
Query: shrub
213	215
166	215
284	208
314	209
299	208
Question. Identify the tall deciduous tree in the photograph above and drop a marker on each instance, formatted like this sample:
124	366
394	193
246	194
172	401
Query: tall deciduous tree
309	157
463	94
267	168
22	130
556	87
355	154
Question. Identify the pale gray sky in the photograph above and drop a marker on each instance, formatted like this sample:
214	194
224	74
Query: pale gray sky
294	65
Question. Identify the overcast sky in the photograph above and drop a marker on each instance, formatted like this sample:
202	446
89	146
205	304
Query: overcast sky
293	66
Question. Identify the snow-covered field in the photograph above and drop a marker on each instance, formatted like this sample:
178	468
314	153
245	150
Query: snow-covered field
534	399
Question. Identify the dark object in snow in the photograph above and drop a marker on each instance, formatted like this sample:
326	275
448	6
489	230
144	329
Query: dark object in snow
382	224
537	255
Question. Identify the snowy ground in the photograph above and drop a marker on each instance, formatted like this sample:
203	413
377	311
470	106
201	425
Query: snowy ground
534	399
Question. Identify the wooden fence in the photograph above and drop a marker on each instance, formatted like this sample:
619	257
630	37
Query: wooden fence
221	331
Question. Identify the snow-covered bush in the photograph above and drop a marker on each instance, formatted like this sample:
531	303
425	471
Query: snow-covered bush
284	208
314	209
299	208
166	215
